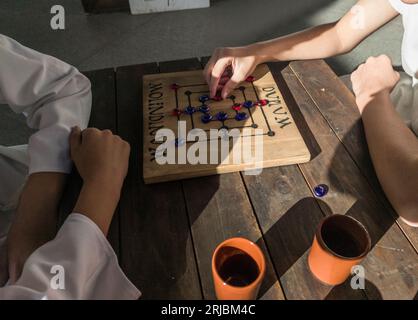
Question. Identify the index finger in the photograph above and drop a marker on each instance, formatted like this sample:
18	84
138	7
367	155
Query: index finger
216	74
208	68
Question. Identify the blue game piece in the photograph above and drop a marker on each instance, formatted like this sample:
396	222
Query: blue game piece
241	116
206	118
190	110
179	142
248	104
222	116
204	98
321	190
204	108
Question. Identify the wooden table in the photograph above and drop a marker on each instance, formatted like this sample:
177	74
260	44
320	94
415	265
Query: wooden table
165	234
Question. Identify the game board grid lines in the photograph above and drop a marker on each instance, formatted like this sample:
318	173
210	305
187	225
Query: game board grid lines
233	99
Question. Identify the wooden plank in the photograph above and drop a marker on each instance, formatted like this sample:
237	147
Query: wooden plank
157	252
337	104
391	267
288	216
272	124
219	209
103	116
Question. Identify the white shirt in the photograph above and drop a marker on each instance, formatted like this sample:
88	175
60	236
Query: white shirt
409	14
52	94
55	97
78	264
405	94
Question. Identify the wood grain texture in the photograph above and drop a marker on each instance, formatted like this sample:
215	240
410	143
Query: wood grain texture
337	104
391	266
157	251
289	215
274	129
165	233
103	116
218	209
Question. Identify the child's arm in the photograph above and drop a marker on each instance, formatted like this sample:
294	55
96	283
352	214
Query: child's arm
86	264
318	42
54	97
393	146
36	218
102	161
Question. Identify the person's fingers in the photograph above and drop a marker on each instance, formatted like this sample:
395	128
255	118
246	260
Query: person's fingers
107	132
230	86
216	74
75	138
209	66
223	80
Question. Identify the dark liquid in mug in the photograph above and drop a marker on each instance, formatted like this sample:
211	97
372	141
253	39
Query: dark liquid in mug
342	242
238	268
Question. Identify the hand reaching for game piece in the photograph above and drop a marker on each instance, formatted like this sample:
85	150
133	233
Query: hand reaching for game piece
373	77
228	67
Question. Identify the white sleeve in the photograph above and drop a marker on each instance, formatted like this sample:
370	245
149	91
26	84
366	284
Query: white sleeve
398	5
52	94
78	264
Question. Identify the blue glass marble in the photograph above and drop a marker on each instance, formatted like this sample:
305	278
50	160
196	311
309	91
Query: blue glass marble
179	142
248	104
241	116
321	190
204	108
204	98
206	118
190	110
222	116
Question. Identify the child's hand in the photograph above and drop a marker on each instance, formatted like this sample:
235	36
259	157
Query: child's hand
101	158
372	78
242	62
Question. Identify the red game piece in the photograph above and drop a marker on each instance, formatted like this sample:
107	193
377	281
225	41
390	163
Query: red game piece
236	107
174	86
217	98
176	112
250	79
263	102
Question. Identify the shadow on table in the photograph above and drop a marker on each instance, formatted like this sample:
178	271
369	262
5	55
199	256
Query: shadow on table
293	107
339	291
292	235
289	241
351	174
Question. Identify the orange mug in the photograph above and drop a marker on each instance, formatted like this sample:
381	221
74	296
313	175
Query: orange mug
238	269
340	243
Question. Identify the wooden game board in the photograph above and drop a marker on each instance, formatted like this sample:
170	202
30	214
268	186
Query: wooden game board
165	93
